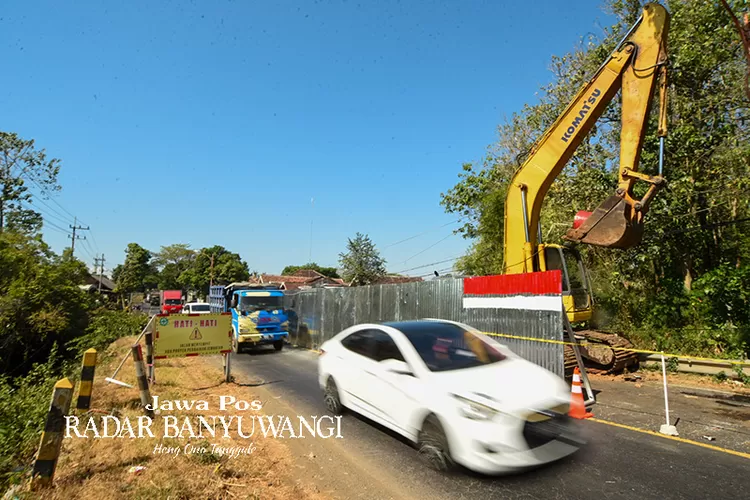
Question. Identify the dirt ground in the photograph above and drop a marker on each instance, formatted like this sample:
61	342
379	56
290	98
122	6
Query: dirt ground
132	468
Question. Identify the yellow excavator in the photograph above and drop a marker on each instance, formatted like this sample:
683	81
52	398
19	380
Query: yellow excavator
634	67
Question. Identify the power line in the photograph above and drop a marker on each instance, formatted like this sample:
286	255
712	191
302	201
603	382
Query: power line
54	226
422	233
431	264
50	198
33	208
431	246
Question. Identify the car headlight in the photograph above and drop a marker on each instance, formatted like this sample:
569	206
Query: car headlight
473	410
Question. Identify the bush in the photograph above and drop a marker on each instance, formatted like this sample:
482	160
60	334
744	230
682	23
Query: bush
105	327
24	402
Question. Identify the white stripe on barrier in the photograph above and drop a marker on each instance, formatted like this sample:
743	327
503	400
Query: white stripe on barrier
533	302
577	389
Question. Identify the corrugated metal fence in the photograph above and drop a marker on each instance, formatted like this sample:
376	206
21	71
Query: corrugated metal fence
319	314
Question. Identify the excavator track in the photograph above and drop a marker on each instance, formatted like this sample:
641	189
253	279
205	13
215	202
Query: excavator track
598	355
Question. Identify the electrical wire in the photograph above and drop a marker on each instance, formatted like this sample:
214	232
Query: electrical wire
50	198
423	233
431	264
429	247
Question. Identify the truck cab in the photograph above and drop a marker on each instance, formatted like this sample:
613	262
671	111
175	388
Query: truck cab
258	315
171	301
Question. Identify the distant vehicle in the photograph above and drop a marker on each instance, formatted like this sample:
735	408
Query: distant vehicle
462	397
258	315
196	308
171	301
155	300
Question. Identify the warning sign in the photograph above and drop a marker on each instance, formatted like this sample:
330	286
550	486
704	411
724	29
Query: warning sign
182	335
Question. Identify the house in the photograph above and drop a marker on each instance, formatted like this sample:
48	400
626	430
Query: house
393	279
93	285
304	279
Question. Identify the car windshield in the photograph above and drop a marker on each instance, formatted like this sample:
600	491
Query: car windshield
445	346
173	302
200	308
259	303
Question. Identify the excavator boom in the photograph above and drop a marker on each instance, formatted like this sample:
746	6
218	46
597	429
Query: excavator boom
618	222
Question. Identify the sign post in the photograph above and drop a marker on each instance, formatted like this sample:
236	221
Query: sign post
180	335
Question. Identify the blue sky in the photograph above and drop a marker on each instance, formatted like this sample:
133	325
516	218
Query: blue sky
217	122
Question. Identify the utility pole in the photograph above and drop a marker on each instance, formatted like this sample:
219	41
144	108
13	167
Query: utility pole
73	238
99	262
312	205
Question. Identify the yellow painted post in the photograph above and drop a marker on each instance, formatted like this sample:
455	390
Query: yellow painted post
140	372
87	380
49	446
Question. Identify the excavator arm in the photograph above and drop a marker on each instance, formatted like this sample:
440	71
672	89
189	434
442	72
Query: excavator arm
634	68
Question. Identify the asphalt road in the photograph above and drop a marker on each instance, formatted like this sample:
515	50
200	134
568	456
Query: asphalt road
616	463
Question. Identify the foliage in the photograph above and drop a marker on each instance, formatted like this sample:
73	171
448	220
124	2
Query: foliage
20	161
41	303
136	274
228	267
361	263
105	327
172	261
331	272
24	402
690	274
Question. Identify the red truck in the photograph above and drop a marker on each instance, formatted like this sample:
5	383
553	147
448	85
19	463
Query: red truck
171	301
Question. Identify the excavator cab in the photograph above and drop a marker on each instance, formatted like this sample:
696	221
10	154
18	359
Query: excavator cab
576	290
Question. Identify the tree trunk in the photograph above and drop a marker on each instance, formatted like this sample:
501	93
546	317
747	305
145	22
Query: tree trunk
689	273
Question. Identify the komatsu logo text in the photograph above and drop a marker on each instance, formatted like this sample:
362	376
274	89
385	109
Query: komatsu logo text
581	115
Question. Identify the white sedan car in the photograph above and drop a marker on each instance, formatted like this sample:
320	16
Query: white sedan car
459	395
196	308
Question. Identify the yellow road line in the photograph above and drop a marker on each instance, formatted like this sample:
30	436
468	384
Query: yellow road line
673	438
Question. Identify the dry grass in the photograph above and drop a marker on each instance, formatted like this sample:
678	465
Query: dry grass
100	468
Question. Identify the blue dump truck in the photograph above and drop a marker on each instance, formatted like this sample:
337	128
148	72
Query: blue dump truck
258	315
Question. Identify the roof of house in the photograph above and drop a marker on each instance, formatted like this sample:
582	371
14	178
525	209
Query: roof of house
302	278
390	280
106	282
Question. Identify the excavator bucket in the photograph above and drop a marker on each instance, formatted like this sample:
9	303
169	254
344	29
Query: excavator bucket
610	226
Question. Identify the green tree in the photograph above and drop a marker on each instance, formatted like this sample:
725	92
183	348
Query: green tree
171	261
41	303
361	264
331	272
692	242
228	267
136	273
21	161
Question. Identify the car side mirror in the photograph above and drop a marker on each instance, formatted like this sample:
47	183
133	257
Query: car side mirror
396	366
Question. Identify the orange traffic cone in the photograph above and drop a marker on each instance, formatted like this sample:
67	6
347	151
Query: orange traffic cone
577	405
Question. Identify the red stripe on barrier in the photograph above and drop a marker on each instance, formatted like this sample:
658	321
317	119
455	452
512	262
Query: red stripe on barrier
160	357
189	355
542	283
225	352
226	314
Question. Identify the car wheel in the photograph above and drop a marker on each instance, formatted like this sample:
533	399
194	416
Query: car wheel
433	446
332	400
236	349
278	345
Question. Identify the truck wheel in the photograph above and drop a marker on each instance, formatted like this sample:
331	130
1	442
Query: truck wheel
278	345
236	349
